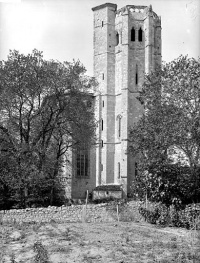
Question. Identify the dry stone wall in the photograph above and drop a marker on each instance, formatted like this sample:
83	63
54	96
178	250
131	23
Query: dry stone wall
74	213
106	212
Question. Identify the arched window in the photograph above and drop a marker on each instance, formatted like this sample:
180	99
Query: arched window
140	35
117	39
132	34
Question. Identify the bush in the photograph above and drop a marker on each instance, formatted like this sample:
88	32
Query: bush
188	217
150	216
168	184
157	214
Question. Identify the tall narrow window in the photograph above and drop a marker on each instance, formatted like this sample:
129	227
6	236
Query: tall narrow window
132	34
102	23
118	119
119	174
119	126
136	75
117	39
82	163
102	143
103	103
136	169
103	76
140	35
102	125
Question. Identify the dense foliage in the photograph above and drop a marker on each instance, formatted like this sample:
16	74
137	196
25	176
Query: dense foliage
45	110
169	184
188	217
168	133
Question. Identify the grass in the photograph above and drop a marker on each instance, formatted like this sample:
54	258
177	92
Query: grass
125	241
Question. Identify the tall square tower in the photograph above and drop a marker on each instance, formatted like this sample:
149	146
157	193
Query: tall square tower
127	45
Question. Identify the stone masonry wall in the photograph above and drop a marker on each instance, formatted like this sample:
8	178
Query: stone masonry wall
74	213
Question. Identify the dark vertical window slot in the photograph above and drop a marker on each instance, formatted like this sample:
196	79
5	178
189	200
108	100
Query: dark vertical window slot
103	76
136	75
140	35
102	143
78	165
103	103
119	127
132	34
102	23
117	39
102	125
119	170
136	169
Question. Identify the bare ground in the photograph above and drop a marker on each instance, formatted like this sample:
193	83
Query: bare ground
121	242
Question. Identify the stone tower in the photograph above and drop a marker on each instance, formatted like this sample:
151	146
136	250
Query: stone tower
127	44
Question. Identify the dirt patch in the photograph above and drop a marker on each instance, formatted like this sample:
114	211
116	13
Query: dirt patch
97	242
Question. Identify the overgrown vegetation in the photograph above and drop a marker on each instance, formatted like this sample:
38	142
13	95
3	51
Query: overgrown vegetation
170	184
45	110
165	141
159	214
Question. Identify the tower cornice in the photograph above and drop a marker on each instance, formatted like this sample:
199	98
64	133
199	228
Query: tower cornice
105	5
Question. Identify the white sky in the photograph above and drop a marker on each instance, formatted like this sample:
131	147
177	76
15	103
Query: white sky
63	29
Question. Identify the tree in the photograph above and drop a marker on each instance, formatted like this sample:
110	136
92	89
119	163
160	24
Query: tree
44	111
169	130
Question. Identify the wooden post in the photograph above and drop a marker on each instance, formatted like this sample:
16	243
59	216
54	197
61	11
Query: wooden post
117	212
86	200
84	211
146	192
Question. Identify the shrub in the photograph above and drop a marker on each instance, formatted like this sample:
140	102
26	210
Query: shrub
150	216
169	184
42	254
185	217
164	217
188	217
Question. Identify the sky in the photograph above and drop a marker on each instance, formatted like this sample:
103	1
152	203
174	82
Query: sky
63	29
